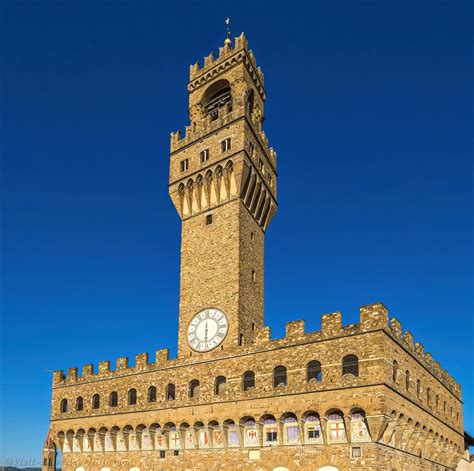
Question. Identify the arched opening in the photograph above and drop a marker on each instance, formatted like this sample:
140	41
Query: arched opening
336	427
194	388
152	394
95	401
170	392
350	365
220	385
407	380
217	98
132	397
394	371
279	377
113	399
79	403
248	380
63	406
313	371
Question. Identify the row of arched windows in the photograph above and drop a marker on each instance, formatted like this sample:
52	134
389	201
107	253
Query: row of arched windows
428	398
350	365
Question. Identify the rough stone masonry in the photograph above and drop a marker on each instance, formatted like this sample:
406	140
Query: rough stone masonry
362	396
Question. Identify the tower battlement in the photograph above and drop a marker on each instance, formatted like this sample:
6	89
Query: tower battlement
214	65
372	317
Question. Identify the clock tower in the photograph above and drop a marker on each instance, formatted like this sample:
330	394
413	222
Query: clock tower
223	185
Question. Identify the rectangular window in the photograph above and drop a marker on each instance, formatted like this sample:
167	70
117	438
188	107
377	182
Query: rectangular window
208	219
204	155
356	452
162	454
176	452
271	436
225	145
184	165
254	275
313	433
260	164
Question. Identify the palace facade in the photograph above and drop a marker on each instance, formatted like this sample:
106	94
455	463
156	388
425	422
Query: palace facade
361	396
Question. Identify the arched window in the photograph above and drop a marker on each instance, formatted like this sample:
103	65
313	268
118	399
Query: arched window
248	380
194	388
394	370
79	403
63	406
418	388
217	96
437	402
152	394
132	397
444	407
407	380
279	377
428	396
220	385
95	401
350	365
170	392
313	371
113	399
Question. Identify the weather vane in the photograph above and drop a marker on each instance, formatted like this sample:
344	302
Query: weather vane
227	22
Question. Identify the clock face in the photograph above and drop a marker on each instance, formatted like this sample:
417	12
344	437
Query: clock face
207	330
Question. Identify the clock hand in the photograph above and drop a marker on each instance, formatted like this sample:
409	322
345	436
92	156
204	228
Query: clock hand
205	332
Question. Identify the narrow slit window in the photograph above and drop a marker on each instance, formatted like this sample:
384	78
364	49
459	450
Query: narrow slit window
226	145
184	164
208	219
204	155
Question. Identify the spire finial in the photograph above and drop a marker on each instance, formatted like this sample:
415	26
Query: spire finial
228	41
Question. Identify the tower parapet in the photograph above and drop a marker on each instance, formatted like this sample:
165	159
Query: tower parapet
373	317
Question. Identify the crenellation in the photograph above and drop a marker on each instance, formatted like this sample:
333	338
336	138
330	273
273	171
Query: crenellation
208	60
58	377
121	364
295	330
331	324
396	328
373	316
263	336
162	356
87	370
141	362
104	367
409	340
71	375
420	350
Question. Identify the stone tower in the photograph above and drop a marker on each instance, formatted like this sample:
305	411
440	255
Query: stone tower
49	455
223	185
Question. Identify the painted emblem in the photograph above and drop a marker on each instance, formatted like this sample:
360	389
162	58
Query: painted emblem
218	439
292	433
336	430
359	431
251	437
175	440
204	441
233	437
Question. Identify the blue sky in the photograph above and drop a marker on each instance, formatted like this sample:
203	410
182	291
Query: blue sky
369	108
